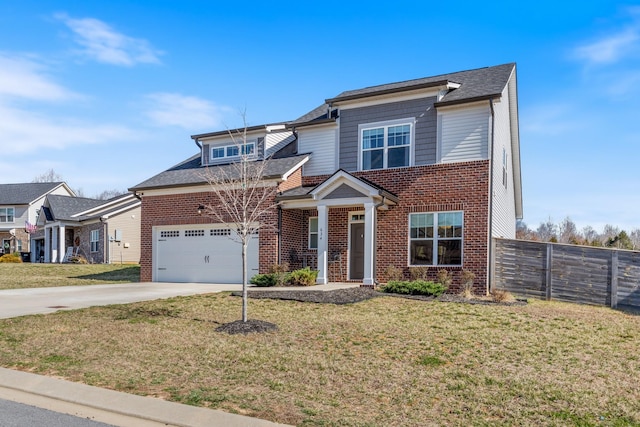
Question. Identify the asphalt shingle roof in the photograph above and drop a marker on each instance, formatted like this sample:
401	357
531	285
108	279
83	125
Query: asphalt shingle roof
190	172
24	194
64	207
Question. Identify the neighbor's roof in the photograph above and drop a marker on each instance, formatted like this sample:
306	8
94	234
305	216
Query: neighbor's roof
67	208
475	85
190	172
25	194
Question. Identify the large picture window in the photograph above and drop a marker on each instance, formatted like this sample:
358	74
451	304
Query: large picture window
385	146
435	238
7	214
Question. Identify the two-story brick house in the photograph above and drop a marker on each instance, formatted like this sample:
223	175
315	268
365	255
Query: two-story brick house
421	173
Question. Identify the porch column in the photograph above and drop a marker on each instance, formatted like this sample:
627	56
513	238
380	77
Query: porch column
54	244
61	241
323	245
369	244
47	244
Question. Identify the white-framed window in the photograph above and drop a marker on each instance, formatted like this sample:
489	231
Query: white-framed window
313	232
95	239
386	144
505	157
7	214
435	238
231	151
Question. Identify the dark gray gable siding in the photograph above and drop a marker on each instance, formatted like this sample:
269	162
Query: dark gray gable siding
425	130
344	192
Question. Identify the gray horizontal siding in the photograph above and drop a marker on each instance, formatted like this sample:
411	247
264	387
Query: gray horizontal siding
421	110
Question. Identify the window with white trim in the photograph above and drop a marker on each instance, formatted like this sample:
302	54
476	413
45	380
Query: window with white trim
385	146
7	214
232	151
313	232
95	239
435	238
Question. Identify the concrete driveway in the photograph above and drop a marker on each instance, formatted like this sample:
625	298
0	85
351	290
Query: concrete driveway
21	302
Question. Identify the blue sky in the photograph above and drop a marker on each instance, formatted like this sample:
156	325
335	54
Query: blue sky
108	93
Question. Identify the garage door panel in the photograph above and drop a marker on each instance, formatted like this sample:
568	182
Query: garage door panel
194	253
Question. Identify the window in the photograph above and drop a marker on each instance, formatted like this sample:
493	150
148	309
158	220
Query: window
313	232
504	167
95	238
7	214
435	238
229	151
385	146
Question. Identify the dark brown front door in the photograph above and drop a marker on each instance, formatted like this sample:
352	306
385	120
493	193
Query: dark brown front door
356	251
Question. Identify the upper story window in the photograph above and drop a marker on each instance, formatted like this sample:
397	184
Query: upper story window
386	145
230	151
7	214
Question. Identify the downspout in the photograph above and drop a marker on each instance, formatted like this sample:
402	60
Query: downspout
198	143
491	172
107	244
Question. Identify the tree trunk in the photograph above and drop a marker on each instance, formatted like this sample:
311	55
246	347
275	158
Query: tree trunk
245	297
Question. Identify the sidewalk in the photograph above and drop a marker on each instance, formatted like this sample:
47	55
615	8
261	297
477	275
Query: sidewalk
112	407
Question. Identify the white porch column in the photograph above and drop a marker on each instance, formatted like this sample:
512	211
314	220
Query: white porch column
47	244
369	244
323	245
54	244
61	240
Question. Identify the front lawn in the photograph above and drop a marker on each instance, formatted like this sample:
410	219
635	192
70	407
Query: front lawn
382	362
34	275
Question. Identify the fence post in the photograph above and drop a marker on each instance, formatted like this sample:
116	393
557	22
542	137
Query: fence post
614	279
549	277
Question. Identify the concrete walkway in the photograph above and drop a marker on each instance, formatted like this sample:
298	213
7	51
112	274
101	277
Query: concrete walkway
108	406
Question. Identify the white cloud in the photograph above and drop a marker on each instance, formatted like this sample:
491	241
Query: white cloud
23	131
104	44
189	112
21	77
611	48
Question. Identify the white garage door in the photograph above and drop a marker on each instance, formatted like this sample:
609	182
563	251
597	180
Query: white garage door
201	254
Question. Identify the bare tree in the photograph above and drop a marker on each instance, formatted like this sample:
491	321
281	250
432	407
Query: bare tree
48	176
568	232
109	194
547	231
242	197
634	235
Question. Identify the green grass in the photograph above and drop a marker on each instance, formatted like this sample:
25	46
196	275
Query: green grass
33	275
383	362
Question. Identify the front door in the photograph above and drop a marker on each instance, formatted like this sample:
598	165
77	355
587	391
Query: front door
356	251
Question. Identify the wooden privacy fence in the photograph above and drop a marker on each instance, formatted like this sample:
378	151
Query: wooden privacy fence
571	273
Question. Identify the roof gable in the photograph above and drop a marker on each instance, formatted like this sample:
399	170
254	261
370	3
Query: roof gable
27	193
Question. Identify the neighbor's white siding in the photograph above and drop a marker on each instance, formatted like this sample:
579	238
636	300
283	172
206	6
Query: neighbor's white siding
463	133
127	250
321	142
504	210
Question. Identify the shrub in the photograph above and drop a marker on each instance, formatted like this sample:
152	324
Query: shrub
281	273
499	295
78	259
467	278
416	287
15	257
444	278
418	273
303	277
393	273
264	280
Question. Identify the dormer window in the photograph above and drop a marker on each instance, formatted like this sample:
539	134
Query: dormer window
386	145
231	151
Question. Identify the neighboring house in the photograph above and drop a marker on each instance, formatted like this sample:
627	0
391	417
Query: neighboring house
102	231
420	173
19	207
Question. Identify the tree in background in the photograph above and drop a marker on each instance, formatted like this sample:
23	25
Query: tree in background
48	176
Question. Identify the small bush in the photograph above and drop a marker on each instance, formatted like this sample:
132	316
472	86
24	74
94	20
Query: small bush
78	259
416	287
467	278
281	273
303	277
11	258
499	295
444	278
264	280
393	273
418	273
